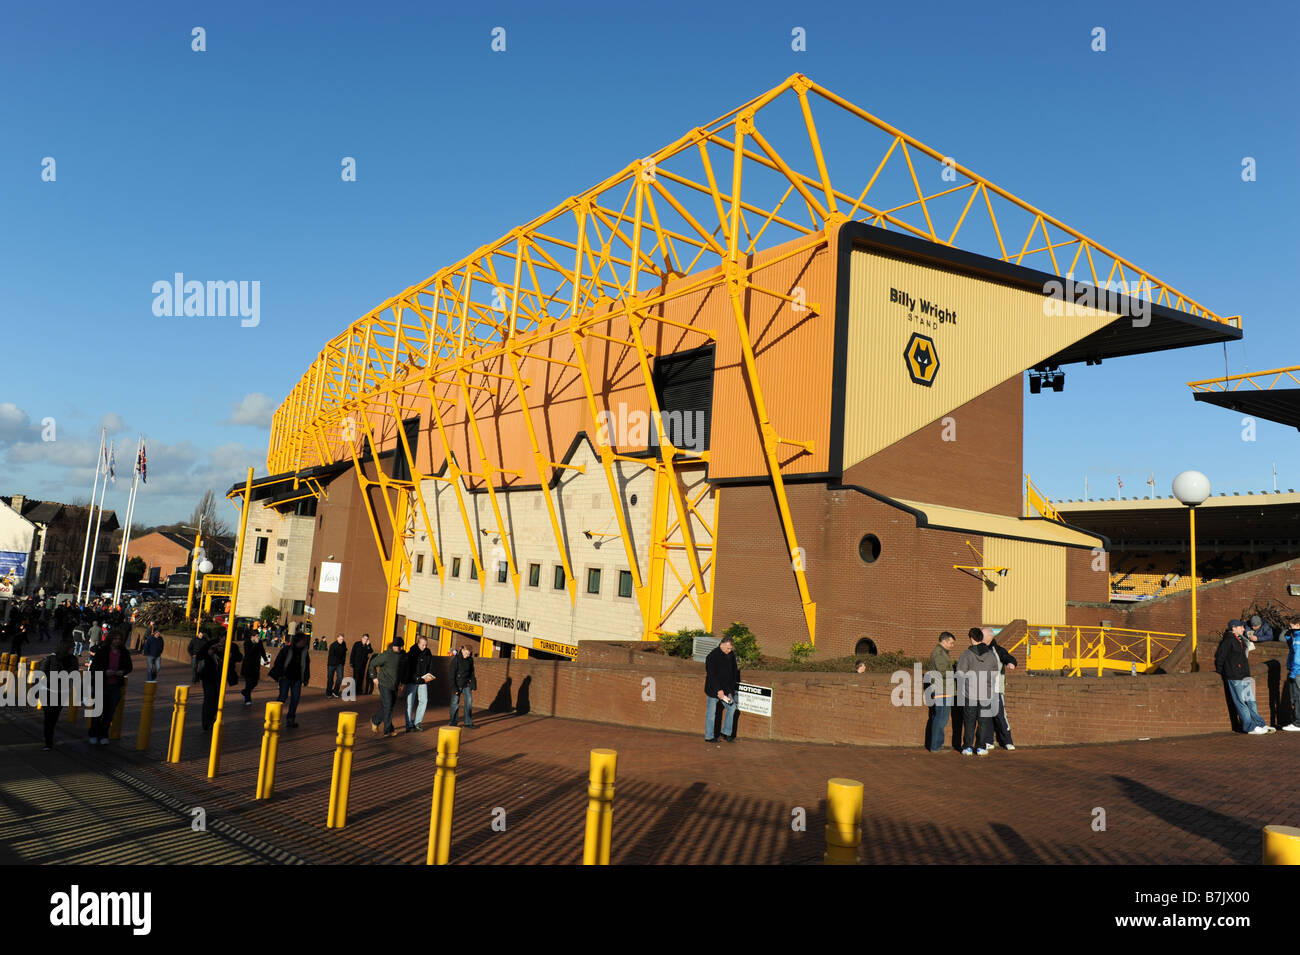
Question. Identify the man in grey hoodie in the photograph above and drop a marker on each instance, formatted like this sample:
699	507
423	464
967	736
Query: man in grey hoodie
977	672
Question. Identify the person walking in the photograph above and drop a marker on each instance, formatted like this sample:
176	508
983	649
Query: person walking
254	659
334	663
977	671
1231	663
1291	636
361	653
61	668
207	671
113	660
386	670
463	685
419	668
292	669
721	686
1001	726
938	669
152	649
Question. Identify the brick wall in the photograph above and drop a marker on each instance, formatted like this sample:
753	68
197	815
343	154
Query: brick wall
1217	603
609	686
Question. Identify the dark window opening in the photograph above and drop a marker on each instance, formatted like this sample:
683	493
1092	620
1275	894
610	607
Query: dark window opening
866	647
684	389
455	566
534	575
869	548
259	551
625	583
559	576
593	580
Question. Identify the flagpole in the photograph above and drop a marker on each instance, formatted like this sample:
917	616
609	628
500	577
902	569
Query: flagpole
94	551
90	513
130	516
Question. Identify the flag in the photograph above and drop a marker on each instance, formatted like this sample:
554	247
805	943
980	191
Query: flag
142	465
112	465
1152	479
1121	481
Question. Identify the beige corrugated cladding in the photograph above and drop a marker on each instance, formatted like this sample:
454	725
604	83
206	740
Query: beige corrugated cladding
1034	587
999	332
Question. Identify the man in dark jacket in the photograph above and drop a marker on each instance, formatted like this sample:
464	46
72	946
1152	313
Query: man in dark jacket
60	668
292	668
419	668
463	685
386	670
334	663
1230	662
977	672
361	651
153	649
721	685
251	669
1001	726
937	670
113	660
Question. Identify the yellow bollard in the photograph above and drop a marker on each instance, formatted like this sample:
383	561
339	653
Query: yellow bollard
337	817
4	661
600	806
178	724
444	793
270	749
115	727
146	714
1281	845
843	821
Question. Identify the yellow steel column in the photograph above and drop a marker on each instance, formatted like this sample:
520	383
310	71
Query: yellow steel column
270	749
194	563
1196	664
214	754
444	796
1281	845
178	724
843	821
341	780
600	806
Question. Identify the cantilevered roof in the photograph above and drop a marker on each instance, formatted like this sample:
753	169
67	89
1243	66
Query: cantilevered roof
1273	395
1265	519
1036	529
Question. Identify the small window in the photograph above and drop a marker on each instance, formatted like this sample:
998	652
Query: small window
625	583
298	607
534	575
455	566
259	552
593	580
559	576
869	549
419	563
473	571
503	571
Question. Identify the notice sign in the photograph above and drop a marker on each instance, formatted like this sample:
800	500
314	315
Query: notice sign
330	573
754	699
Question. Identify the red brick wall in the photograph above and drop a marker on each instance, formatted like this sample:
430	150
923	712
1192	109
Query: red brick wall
343	529
1082	581
608	686
1217	603
980	470
902	601
857	710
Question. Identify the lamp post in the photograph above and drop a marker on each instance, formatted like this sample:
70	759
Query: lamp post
1192	488
196	556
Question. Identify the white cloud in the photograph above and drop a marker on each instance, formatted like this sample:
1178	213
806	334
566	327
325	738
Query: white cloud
15	425
255	410
112	423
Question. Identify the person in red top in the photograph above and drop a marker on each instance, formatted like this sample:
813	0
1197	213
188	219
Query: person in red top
113	660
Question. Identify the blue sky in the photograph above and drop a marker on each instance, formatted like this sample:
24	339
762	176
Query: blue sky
225	165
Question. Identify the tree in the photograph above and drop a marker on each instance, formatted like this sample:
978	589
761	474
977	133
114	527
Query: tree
269	614
135	568
206	510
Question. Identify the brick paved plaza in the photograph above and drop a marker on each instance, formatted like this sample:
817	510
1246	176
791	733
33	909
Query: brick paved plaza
679	800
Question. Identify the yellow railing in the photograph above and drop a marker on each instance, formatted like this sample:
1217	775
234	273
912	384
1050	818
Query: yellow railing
1076	649
1035	501
1286	377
